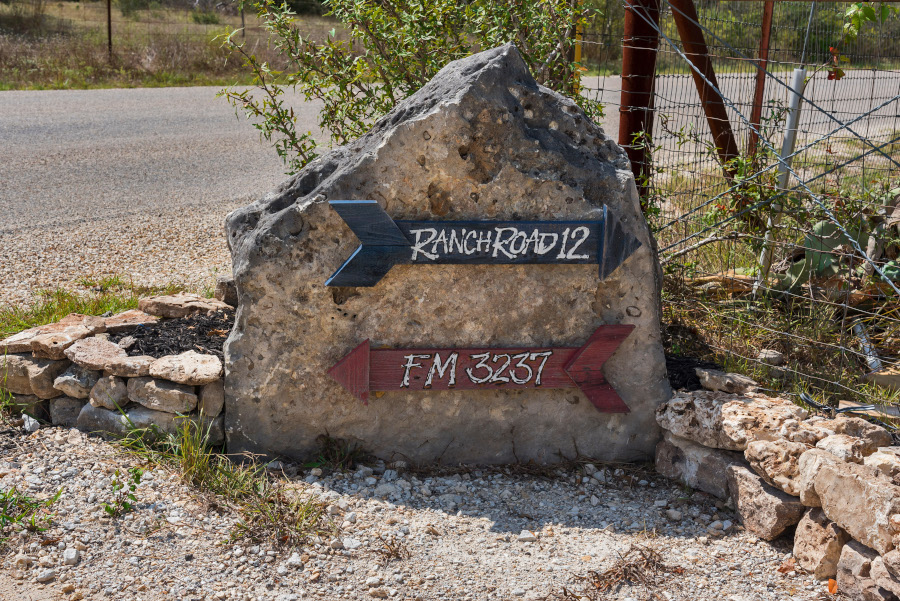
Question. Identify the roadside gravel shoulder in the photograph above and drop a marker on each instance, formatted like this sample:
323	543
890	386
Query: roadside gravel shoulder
469	535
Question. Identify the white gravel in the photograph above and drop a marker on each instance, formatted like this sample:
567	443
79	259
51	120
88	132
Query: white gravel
472	535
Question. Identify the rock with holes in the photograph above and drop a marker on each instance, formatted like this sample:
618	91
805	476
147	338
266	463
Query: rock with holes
481	141
777	461
887	461
846	448
180	305
726	421
818	543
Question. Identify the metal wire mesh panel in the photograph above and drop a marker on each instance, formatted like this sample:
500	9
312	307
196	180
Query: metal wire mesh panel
787	249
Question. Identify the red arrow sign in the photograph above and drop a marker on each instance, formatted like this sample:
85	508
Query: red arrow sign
365	369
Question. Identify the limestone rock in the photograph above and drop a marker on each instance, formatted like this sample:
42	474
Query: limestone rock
857	498
54	345
212	398
14	373
883	578
226	291
169	423
130	367
854	574
109	392
892	562
817	544
719	381
886	460
695	465
76	381
846	448
180	305
809	431
64	411
481	141
98	419
94	353
128	320
765	511
873	436
21	342
726	421
776	461
771	357
162	395
190	368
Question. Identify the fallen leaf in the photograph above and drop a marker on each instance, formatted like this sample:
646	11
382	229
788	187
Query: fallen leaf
432	530
788	566
832	586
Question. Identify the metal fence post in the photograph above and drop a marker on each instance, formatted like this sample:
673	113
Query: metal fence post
109	27
639	47
798	84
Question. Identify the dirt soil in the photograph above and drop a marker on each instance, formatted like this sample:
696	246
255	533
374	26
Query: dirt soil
461	534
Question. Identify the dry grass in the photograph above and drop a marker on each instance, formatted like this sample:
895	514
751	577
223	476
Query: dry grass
64	45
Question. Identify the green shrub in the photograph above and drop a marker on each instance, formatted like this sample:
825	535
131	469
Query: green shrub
395	47
203	17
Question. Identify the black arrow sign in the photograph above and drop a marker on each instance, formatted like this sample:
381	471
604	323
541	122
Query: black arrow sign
385	242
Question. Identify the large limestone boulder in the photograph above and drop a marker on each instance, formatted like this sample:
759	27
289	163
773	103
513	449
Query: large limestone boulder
481	141
726	421
854	574
697	466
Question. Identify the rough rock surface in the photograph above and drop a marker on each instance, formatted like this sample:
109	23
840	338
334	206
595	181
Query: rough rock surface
720	381
21	342
128	320
130	367
162	395
726	421
190	368
777	461
94	353
480	141
14	373
886	460
98	419
226	291
76	381
31	405
765	510
169	423
846	448
64	411
24	374
873	436
809	431
854	576
883	578
695	465
892	562
857	498
109	392
53	345
212	398
179	305
817	544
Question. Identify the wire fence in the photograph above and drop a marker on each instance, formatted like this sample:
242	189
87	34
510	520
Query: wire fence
775	247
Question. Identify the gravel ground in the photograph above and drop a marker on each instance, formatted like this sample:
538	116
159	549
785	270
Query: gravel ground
133	182
474	534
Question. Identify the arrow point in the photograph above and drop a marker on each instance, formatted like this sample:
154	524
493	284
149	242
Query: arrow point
352	372
618	244
585	367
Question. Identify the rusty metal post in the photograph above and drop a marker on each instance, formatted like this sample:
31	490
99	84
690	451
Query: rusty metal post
760	91
639	47
686	20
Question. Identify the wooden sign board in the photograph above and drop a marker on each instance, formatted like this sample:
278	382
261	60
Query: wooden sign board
365	369
385	242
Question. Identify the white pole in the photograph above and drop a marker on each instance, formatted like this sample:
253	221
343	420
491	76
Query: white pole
798	85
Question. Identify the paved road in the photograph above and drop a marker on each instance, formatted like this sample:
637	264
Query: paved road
73	155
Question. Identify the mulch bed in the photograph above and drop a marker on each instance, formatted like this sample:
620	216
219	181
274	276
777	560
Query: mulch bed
201	333
681	372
